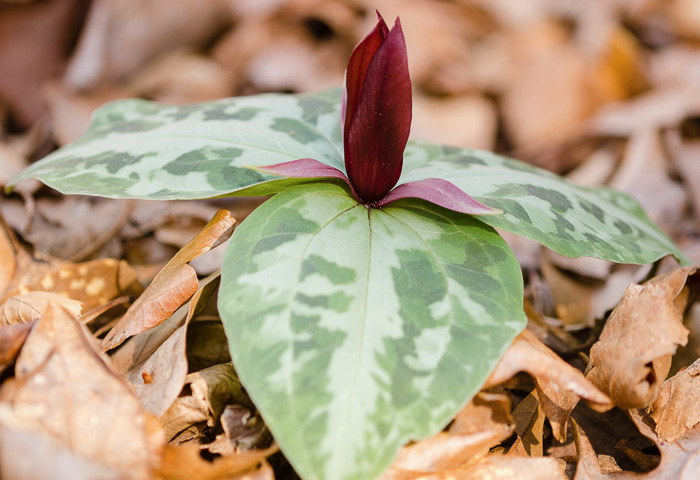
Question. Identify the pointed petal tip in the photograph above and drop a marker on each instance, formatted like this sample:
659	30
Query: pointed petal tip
301	168
442	193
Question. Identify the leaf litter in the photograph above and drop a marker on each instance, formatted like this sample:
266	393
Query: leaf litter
605	94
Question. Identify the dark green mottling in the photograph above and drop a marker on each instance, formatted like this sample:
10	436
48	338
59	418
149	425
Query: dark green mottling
623	227
337	274
593	209
559	202
298	130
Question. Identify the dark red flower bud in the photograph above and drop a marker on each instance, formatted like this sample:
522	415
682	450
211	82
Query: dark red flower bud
377	112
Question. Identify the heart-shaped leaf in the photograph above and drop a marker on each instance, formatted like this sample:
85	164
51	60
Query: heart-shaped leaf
356	330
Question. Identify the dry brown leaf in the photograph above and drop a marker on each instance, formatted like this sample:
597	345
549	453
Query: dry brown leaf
185	463
483	423
243	431
155	361
173	286
12	338
64	388
644	174
212	389
633	354
29	455
677	408
120	36
29	307
548	68
529	425
207	345
588	466
468	121
508	467
559	384
91	283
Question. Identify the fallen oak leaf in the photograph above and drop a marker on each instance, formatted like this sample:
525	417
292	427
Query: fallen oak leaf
633	354
155	361
588	466
559	385
64	388
529	425
677	408
12	338
29	307
173	285
184	462
480	425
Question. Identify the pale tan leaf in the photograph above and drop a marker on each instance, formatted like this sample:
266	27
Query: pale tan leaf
12	338
588	467
173	286
65	389
185	463
508	467
559	384
633	355
92	283
529	425
677	408
483	423
29	307
155	361
29	455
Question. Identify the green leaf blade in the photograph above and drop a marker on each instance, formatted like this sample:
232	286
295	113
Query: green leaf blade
572	220
141	149
357	331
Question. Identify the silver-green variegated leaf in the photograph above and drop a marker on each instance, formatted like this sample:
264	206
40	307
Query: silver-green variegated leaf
572	220
357	330
141	149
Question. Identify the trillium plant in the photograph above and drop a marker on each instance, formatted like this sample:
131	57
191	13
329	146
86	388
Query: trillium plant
369	299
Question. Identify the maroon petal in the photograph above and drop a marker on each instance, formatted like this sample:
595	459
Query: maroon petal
303	168
360	59
440	192
379	120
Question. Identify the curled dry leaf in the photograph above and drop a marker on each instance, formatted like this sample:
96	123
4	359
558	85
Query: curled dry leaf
507	467
185	463
243	431
173	286
155	361
529	425
483	423
29	307
677	408
633	355
588	466
559	384
65	389
212	389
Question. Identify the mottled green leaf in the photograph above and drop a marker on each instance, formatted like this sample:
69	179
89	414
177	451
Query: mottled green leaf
572	220
355	331
142	149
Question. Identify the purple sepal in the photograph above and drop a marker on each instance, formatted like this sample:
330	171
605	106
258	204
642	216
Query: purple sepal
303	168
440	192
